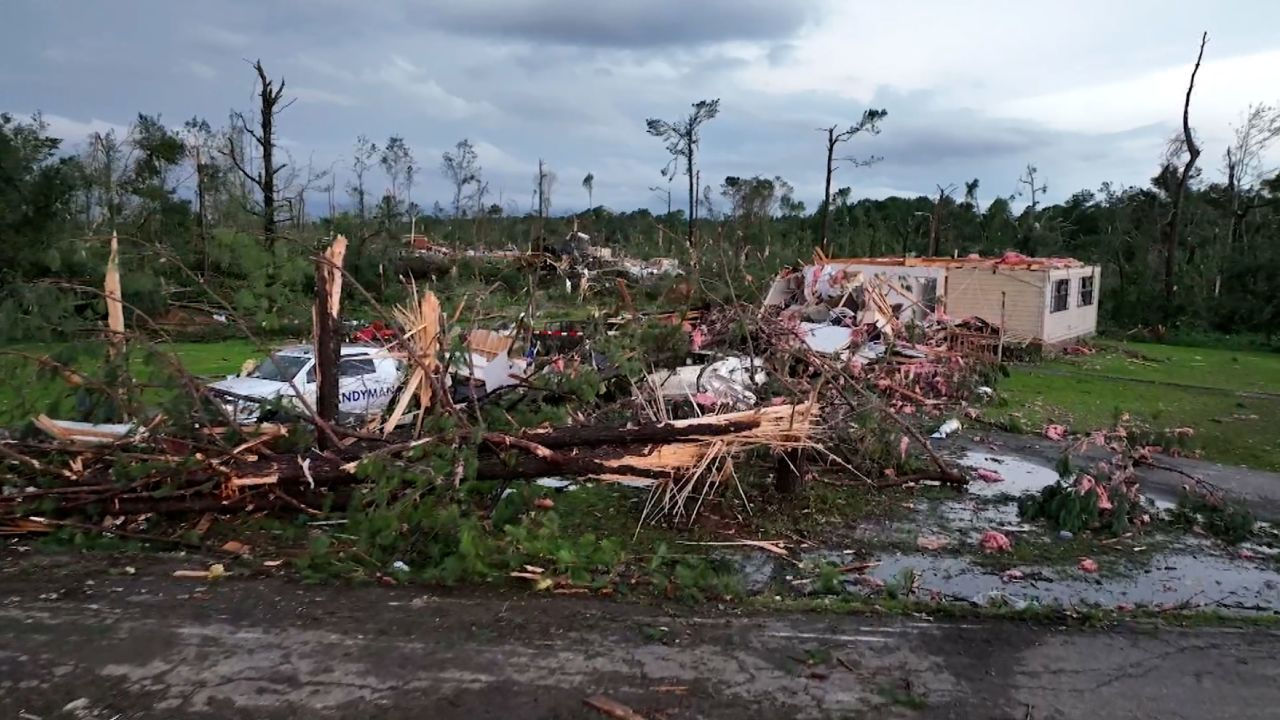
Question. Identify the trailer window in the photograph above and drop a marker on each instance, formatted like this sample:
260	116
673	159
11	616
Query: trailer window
930	295
1061	295
1086	290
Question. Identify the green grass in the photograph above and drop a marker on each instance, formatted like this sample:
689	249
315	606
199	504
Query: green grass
1204	367
1165	386
24	392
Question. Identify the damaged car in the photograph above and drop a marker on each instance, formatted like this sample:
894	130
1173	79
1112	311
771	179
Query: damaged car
368	377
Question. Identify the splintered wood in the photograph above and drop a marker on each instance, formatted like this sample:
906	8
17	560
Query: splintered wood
611	708
781	427
114	297
422	340
327	334
489	344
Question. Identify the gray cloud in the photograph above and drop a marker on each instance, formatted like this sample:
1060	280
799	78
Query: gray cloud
573	83
609	23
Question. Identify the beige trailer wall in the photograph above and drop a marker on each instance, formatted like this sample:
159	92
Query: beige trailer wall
976	292
1077	320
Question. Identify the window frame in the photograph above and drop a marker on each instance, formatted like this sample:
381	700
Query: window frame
1066	296
354	361
1080	297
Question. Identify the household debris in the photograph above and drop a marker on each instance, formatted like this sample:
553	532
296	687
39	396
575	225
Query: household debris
994	541
818	379
724	382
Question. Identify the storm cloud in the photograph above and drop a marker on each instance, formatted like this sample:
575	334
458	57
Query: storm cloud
652	24
970	92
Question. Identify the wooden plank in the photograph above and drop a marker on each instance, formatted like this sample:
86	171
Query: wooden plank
614	709
254	481
406	394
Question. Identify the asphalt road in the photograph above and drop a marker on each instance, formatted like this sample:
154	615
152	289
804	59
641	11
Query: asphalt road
1259	489
87	642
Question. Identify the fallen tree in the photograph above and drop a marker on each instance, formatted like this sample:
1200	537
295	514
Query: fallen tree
253	473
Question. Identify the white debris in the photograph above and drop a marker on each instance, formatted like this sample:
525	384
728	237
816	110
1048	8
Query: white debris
946	428
727	380
826	339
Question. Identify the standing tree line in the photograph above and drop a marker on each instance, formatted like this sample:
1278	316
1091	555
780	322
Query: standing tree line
228	207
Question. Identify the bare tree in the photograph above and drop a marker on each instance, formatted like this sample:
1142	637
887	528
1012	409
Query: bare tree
1244	158
1034	188
870	122
461	168
312	179
107	161
200	142
361	160
398	163
663	192
1169	230
935	218
271	104
544	182
682	138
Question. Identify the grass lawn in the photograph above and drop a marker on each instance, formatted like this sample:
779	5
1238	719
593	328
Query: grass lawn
1222	394
1165	386
23	392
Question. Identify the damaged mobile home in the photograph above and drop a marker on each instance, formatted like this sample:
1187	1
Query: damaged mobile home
1039	301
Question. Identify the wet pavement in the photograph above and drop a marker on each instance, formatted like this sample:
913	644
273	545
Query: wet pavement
147	646
1182	571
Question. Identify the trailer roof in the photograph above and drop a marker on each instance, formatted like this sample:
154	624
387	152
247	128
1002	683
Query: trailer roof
1010	260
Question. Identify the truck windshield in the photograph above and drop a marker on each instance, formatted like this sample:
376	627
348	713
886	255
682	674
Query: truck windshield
281	368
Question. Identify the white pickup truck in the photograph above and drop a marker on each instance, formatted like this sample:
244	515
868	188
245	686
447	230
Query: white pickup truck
367	378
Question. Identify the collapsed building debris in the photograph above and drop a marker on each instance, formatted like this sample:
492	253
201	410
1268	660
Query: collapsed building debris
829	349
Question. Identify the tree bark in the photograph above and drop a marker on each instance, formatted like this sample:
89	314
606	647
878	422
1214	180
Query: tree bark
200	207
692	191
826	196
328	336
1171	226
267	111
660	433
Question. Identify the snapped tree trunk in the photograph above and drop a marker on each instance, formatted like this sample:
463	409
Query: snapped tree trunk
328	334
268	146
1173	222
826	196
692	193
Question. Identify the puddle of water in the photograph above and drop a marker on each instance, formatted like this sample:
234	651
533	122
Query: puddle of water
1025	476
1020	476
1176	578
1170	580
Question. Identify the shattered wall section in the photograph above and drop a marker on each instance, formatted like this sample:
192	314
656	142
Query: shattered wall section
975	292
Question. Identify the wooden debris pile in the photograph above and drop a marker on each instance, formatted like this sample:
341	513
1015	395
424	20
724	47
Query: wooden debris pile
95	476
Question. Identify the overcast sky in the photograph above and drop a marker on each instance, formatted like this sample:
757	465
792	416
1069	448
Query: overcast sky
1087	90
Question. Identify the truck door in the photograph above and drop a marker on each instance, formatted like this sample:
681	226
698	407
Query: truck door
359	389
